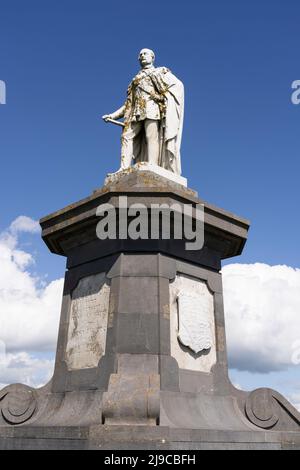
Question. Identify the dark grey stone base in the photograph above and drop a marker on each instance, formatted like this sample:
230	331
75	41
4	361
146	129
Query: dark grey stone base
156	438
135	391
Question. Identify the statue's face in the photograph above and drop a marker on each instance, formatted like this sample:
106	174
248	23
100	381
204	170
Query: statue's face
146	57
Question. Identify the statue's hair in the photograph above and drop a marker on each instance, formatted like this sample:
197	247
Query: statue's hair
150	50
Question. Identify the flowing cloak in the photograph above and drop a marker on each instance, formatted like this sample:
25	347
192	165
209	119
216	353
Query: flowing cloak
171	123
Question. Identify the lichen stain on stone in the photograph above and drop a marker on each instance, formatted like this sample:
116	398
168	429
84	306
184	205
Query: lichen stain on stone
166	311
112	306
221	338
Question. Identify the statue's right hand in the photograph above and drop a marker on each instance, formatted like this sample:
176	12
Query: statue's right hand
106	117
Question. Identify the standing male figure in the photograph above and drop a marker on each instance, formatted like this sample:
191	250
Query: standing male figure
153	117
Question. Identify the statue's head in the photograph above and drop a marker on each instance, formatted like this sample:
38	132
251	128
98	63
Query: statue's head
146	57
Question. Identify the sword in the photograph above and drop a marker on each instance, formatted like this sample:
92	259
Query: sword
161	142
114	121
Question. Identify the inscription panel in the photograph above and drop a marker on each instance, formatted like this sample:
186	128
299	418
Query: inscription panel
88	322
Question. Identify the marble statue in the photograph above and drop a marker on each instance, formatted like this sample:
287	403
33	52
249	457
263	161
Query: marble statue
153	117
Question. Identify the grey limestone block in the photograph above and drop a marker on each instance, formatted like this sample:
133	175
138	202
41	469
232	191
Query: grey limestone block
119	382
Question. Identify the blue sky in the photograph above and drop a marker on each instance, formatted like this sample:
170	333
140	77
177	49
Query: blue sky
66	63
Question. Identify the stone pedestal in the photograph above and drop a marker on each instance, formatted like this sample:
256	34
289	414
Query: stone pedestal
141	358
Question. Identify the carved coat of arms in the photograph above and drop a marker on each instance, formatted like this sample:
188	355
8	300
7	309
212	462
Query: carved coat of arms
194	330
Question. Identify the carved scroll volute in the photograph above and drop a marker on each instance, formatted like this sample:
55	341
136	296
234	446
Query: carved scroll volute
262	409
17	403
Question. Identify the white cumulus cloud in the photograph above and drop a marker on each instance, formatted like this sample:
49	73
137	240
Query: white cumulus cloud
262	313
24	368
29	310
295	399
24	224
